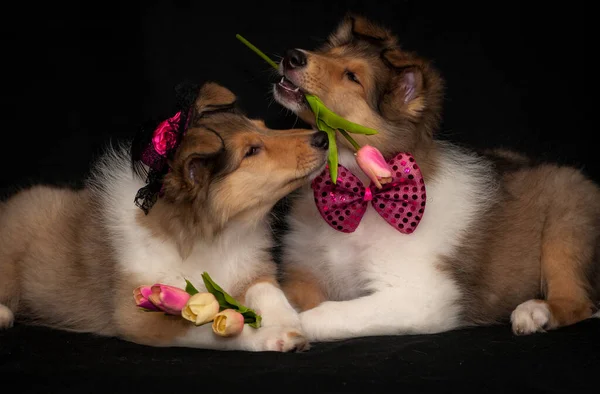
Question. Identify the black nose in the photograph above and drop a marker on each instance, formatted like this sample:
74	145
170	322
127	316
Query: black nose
320	140
295	58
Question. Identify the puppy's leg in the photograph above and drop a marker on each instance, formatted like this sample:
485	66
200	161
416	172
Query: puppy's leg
280	332
567	298
569	241
9	285
302	288
380	313
6	317
8	291
270	302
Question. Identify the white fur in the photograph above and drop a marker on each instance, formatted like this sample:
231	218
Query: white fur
530	317
6	317
229	259
384	282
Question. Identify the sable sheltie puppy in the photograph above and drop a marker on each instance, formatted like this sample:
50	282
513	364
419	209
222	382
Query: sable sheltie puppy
500	237
70	259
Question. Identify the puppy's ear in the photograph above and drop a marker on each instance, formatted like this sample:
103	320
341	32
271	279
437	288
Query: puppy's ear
406	95
356	27
202	155
197	169
199	157
213	97
416	89
364	29
409	73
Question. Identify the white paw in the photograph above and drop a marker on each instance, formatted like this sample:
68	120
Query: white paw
286	318
529	317
281	339
6	317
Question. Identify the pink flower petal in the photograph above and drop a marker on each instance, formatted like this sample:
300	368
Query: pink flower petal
371	161
140	295
169	299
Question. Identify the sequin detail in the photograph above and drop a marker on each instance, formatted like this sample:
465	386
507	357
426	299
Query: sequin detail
401	202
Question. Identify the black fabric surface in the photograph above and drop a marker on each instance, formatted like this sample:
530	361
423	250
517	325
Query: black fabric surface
477	360
79	75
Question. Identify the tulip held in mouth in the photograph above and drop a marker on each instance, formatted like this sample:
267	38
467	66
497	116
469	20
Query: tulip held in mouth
371	161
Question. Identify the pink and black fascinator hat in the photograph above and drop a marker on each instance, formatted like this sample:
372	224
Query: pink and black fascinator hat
155	145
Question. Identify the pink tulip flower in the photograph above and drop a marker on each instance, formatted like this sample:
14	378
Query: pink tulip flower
140	295
371	161
168	299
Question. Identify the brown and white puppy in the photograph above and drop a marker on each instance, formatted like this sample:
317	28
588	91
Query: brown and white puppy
70	259
500	237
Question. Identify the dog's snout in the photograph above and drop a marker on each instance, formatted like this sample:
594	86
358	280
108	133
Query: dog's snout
295	58
320	140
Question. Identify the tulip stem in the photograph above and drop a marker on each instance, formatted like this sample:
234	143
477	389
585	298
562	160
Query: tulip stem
257	51
350	139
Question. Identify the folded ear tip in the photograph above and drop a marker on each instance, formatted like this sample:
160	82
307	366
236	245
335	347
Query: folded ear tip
216	89
214	94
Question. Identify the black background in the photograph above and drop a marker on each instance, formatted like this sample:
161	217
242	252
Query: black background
77	75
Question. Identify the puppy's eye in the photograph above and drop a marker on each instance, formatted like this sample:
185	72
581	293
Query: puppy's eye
253	150
352	77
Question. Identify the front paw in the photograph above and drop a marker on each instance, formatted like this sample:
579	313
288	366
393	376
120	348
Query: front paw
281	339
284	318
6	317
312	322
530	317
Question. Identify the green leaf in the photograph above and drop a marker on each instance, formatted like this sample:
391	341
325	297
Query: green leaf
228	302
257	320
333	120
189	288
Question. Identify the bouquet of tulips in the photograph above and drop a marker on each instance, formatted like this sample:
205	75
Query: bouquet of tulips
228	316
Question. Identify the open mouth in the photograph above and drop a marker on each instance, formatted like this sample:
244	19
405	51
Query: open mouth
289	93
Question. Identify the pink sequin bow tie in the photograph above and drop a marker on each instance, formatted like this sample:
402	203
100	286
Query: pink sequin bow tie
401	202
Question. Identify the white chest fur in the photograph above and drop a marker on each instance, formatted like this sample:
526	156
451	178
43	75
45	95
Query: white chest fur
377	257
229	259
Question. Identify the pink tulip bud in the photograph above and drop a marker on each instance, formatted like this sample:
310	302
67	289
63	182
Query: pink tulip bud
201	308
228	323
140	295
371	161
168	299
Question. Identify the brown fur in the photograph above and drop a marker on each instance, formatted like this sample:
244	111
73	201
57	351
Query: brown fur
302	288
540	236
59	268
538	241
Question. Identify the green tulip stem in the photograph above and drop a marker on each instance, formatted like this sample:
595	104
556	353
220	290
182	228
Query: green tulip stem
257	51
350	139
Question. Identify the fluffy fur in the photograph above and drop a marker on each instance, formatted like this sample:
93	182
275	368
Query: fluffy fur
501	237
70	259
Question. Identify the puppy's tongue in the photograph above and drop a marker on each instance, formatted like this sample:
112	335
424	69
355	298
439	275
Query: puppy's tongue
286	84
